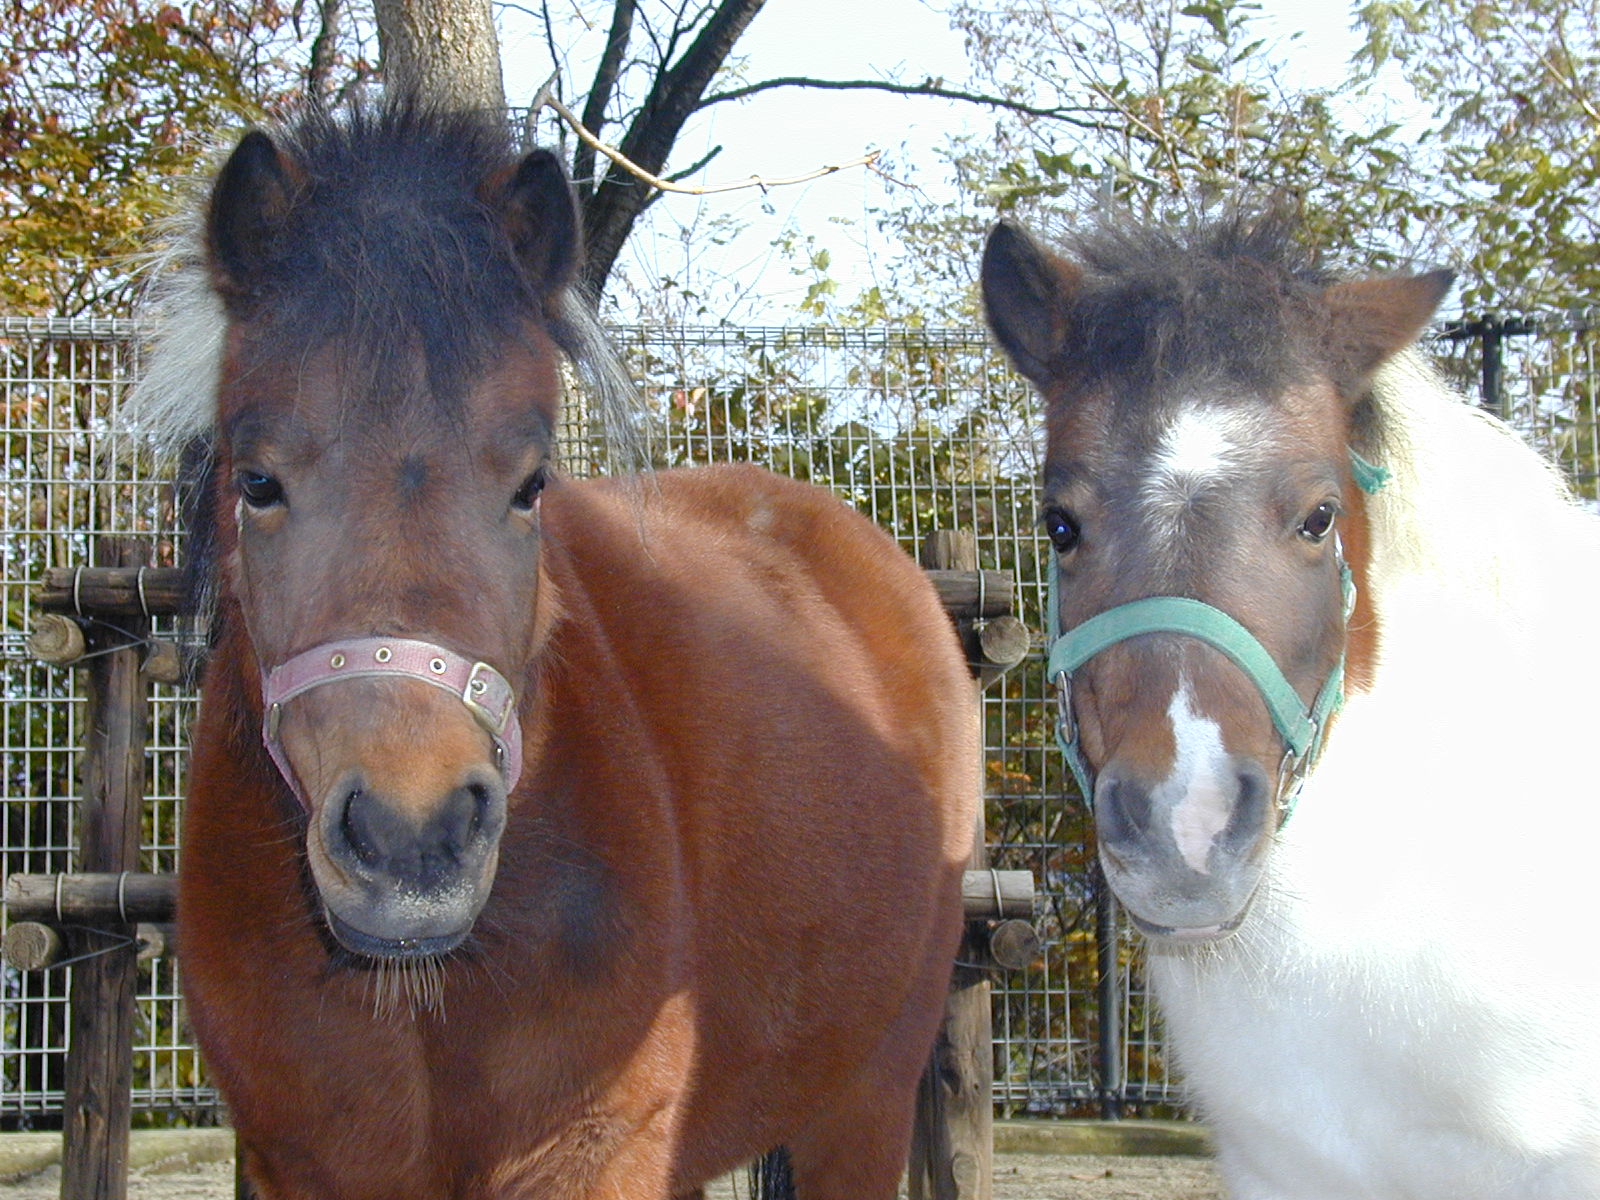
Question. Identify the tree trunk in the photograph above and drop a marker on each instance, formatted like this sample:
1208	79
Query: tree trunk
445	51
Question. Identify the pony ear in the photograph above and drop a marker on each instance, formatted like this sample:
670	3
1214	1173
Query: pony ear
541	216
248	203
1374	319
1026	295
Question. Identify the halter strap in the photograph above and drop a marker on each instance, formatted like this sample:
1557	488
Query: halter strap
1192	618
1302	727
487	694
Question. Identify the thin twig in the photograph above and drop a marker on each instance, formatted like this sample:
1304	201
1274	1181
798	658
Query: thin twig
928	87
546	99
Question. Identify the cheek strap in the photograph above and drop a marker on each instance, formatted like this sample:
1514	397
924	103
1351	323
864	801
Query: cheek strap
487	694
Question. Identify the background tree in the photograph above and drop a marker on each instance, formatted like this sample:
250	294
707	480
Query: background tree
1514	89
444	49
105	105
1158	108
1159	105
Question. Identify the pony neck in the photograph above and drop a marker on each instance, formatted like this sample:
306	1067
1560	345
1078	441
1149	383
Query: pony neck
1472	521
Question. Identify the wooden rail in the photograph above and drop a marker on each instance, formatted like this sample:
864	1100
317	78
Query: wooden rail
159	592
979	602
129	897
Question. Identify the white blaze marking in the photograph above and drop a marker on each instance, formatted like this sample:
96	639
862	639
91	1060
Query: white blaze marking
1201	780
1197	445
1204	446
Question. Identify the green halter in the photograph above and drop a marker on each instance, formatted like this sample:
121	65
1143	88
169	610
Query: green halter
1302	728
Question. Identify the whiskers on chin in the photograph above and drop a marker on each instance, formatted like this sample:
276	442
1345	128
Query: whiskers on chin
405	988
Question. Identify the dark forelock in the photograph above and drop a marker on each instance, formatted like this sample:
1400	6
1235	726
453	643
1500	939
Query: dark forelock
1223	302
388	244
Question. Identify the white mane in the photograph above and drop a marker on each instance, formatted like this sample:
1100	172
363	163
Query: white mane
175	397
1469	497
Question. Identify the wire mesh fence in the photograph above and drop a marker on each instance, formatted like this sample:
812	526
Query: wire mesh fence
69	477
920	430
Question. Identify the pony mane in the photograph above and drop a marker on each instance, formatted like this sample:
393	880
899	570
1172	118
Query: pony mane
389	242
1222	298
1468	497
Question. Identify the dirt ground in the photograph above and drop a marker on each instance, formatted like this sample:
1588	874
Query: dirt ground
1017	1177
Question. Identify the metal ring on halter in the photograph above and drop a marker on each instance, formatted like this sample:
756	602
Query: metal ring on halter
1066	722
122	899
1291	778
144	605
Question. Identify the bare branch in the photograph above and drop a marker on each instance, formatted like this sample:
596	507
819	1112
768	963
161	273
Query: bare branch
700	162
928	87
611	209
668	185
656	194
605	82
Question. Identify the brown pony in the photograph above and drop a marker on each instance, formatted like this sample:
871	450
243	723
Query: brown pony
545	837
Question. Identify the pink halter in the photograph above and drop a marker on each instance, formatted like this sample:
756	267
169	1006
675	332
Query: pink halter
485	692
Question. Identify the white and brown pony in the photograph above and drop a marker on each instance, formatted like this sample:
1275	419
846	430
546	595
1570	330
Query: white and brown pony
1328	650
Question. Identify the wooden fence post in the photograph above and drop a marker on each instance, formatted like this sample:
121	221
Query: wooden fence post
952	1148
94	1162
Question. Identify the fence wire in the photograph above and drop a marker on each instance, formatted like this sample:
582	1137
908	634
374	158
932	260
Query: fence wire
920	430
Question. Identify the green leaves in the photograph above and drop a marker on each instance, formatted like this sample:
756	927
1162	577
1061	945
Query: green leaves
1512	89
105	107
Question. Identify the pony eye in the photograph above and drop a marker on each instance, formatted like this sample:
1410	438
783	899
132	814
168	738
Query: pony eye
259	490
1319	524
528	493
1061	529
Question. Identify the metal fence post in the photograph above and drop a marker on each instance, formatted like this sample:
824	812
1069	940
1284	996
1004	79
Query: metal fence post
1490	331
1109	997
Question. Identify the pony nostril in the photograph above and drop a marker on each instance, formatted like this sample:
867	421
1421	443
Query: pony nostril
1122	808
482	799
379	838
1252	809
464	817
355	824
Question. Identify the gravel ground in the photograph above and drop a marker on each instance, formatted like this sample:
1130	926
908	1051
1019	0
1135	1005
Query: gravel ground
1017	1177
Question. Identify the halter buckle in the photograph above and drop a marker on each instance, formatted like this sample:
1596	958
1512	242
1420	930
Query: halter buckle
477	694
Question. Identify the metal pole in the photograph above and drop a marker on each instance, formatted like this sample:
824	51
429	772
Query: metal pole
1491	336
1107	932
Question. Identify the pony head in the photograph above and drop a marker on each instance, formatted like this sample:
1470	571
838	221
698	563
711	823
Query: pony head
391	294
1204	394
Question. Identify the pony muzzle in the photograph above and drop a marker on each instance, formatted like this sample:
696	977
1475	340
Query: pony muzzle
405	785
399	879
1185	857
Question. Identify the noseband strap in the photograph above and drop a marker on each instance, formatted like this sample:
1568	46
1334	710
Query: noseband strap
1296	725
1302	727
487	694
